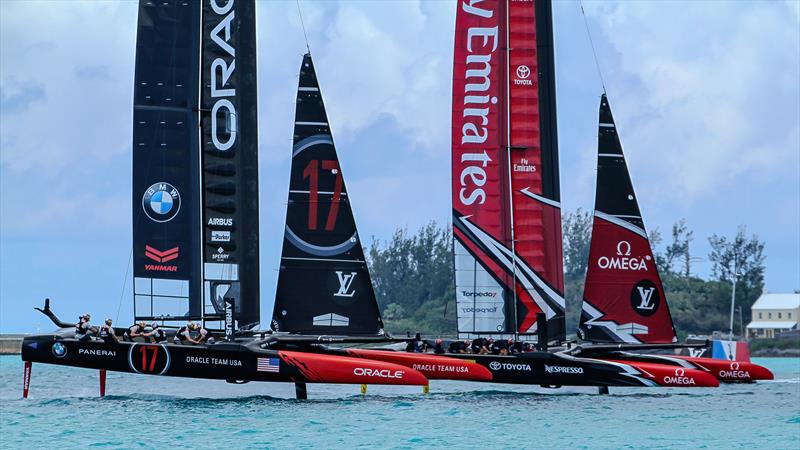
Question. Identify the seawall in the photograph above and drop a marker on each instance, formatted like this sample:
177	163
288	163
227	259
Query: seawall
11	344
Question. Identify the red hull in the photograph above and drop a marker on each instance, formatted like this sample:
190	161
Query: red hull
434	367
731	371
320	368
671	376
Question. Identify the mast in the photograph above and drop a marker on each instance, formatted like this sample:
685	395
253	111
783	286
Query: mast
324	285
508	171
623	298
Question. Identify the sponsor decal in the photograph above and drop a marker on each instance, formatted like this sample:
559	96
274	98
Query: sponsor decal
161	202
679	378
481	46
149	358
440	368
96	352
496	365
478	294
229	307
523	73
220	222
209	361
220	255
563	369
524	166
697	352
645	298
268	365
220	236
623	259
59	350
493	309
221	71
734	372
345	283
161	257
382	373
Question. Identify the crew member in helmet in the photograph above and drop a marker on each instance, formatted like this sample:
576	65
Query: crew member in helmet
184	334
84	329
107	333
157	334
439	347
136	332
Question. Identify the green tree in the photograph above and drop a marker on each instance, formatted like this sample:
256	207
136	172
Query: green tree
577	228
740	258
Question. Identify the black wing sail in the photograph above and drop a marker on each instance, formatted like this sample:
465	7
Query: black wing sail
324	285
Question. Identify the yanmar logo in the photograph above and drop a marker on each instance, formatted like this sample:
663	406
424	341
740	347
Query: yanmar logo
734	372
563	369
161	257
496	365
679	378
381	373
623	259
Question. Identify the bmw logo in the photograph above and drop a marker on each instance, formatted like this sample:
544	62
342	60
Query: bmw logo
161	202
59	350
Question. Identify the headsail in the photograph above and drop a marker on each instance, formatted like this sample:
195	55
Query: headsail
623	299
324	285
195	194
506	211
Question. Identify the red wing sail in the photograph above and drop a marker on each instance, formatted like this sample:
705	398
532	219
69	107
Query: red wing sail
507	246
623	299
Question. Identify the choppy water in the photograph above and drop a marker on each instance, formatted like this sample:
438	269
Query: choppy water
144	412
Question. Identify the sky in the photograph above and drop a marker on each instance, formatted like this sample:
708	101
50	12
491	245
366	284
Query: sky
706	96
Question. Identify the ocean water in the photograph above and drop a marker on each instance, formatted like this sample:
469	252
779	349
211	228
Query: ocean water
64	411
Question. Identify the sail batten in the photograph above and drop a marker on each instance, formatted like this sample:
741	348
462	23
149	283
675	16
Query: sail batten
324	285
623	298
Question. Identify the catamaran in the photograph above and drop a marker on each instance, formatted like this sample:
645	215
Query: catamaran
623	298
195	219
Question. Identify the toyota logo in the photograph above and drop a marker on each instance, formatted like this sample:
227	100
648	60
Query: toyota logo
734	365
679	372
523	72
494	365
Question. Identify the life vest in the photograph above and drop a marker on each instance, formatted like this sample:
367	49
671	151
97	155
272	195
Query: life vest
104	331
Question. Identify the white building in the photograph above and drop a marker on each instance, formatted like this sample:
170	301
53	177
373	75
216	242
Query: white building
773	314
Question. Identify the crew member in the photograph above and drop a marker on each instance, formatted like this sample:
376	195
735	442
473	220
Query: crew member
202	334
439	347
107	333
84	329
136	331
157	334
184	335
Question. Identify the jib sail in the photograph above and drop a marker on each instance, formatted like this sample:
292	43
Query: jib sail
324	285
506	210
195	216
623	299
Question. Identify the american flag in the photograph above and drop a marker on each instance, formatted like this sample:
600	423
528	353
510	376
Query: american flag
268	364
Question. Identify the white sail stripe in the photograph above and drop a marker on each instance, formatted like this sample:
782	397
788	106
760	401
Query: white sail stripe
292	191
678	361
609	325
607	125
321	124
611	155
309	89
616	221
504	254
627	216
544	200
323	259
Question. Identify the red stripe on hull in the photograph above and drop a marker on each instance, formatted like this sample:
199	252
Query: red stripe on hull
672	376
434	367
319	368
732	371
